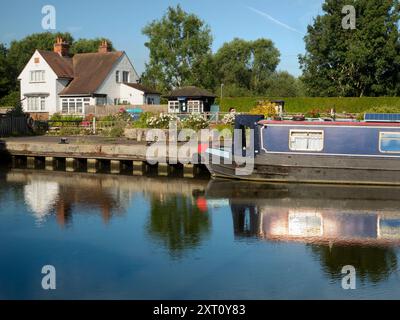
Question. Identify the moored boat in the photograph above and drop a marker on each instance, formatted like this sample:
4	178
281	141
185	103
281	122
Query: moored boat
314	152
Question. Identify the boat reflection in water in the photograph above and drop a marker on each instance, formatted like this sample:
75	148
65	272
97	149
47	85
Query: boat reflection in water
342	225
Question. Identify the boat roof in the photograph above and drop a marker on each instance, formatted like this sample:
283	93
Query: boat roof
330	123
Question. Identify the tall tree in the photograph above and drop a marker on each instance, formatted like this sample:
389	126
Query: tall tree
180	45
89	45
353	62
6	80
247	65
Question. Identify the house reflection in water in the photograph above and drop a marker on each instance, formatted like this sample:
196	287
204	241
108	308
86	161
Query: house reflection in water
45	198
316	225
337	238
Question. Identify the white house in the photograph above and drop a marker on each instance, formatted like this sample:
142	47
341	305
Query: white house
53	82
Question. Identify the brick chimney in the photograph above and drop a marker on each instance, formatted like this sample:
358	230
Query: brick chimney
61	47
104	47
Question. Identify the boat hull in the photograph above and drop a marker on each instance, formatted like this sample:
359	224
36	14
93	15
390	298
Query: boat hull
296	168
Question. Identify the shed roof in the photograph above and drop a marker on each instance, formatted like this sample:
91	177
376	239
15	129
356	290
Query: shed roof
191	92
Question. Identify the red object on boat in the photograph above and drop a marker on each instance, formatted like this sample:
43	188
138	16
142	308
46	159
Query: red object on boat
202	147
202	204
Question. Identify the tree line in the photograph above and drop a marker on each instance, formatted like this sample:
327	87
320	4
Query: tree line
364	61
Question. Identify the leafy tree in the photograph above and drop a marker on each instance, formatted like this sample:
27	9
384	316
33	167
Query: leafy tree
89	45
265	60
283	84
345	62
247	65
6	81
180	45
11	99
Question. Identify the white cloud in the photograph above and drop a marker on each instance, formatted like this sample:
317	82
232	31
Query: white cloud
266	15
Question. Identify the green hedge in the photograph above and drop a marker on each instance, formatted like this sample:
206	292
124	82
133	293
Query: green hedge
303	105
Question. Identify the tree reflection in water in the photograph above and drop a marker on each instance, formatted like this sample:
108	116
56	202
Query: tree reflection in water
373	264
177	224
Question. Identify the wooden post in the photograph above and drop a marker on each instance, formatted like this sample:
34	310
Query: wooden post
92	165
189	170
115	166
139	168
49	163
70	164
164	169
30	162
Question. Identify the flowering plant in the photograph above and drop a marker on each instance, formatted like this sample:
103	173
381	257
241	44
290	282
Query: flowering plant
161	121
229	118
195	121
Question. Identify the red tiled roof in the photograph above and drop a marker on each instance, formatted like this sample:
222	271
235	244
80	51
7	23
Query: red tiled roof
62	66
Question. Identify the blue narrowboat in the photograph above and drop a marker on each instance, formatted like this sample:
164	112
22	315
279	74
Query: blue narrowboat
339	152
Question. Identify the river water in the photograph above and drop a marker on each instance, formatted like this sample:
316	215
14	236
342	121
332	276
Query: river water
126	237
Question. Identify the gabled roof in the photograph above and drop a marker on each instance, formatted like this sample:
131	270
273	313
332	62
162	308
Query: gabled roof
90	71
62	66
142	88
191	92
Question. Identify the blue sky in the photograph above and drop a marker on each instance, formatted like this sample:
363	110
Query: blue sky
284	21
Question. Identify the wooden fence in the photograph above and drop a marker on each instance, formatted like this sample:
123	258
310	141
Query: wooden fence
10	125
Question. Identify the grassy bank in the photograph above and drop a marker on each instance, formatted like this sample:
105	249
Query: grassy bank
302	105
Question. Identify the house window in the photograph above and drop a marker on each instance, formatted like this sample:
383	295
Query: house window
389	142
306	140
150	100
125	76
37	76
117	78
195	106
36	60
101	101
36	103
173	106
74	105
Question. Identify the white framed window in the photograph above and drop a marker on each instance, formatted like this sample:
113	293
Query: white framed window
36	103
195	106
125	77
306	140
173	106
37	76
389	142
117	77
74	105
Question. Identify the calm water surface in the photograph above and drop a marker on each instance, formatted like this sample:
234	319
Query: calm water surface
125	237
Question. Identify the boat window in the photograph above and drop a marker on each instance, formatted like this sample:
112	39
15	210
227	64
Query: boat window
306	140
389	142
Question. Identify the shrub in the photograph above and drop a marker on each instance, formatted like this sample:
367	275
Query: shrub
267	109
195	122
10	100
115	132
161	121
229	119
315	113
141	123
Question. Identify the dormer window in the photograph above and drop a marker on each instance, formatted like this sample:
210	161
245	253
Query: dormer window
37	76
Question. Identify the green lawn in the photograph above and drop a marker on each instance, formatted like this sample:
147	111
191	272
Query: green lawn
301	105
